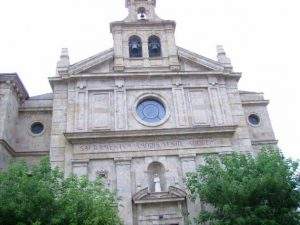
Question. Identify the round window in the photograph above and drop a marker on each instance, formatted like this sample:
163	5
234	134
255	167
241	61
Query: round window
254	119
37	128
151	110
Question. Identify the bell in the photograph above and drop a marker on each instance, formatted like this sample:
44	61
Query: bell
143	16
134	46
154	46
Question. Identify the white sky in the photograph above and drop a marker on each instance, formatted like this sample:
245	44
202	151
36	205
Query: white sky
260	36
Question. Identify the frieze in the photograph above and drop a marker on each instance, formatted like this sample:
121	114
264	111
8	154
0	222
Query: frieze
152	145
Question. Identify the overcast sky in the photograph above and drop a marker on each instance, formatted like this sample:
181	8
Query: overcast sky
260	36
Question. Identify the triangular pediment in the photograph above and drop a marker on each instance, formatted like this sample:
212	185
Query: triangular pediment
191	61
99	63
103	63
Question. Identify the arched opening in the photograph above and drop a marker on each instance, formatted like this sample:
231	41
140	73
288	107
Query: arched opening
135	47
142	14
154	46
156	177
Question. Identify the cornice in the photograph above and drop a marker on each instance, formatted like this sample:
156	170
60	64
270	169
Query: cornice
13	153
17	83
264	142
91	61
36	109
199	59
7	147
235	76
144	196
77	137
256	102
118	25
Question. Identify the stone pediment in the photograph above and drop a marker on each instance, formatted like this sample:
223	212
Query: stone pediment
103	63
191	61
174	194
94	64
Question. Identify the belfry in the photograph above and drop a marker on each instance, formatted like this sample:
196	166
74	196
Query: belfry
141	115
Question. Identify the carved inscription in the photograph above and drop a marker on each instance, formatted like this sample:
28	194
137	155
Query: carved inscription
148	145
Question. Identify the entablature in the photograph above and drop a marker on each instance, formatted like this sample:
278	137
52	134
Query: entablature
13	78
79	137
233	75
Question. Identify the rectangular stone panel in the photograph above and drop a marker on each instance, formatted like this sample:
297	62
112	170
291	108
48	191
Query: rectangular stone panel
100	117
199	106
216	106
120	110
80	111
180	106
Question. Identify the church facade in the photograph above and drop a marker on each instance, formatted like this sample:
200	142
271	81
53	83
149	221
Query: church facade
140	115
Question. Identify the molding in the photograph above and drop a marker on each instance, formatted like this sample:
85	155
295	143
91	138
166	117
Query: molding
35	109
15	79
235	76
123	161
256	102
77	137
7	146
200	60
120	25
32	153
264	142
21	154
91	61
159	98
144	196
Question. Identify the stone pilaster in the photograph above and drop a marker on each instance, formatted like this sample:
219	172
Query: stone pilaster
59	123
80	168
188	164
120	105
123	172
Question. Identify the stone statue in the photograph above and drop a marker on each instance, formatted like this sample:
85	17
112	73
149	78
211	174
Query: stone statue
157	186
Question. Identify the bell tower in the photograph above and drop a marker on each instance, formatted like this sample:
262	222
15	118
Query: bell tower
141	10
143	41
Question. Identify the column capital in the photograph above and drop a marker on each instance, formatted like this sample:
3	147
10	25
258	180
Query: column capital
122	161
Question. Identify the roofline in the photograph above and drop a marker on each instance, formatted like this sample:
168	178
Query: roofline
14	77
141	24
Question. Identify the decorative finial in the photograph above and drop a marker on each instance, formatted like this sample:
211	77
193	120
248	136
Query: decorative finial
223	59
64	62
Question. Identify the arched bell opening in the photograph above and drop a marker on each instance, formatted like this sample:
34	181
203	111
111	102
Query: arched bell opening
141	13
154	46
135	47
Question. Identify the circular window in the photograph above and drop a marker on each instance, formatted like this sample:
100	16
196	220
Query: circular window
254	119
151	111
37	128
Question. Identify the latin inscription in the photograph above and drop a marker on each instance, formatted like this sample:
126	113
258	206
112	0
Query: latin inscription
148	146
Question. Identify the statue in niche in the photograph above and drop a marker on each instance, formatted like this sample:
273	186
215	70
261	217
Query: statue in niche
157	185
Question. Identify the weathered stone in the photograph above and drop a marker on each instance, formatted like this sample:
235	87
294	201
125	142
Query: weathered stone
91	125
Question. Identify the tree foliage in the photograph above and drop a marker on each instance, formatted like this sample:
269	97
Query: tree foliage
242	189
40	195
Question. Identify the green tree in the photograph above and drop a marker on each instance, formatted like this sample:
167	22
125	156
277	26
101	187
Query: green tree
246	190
40	195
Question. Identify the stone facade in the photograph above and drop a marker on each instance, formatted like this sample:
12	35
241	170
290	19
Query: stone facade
90	124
